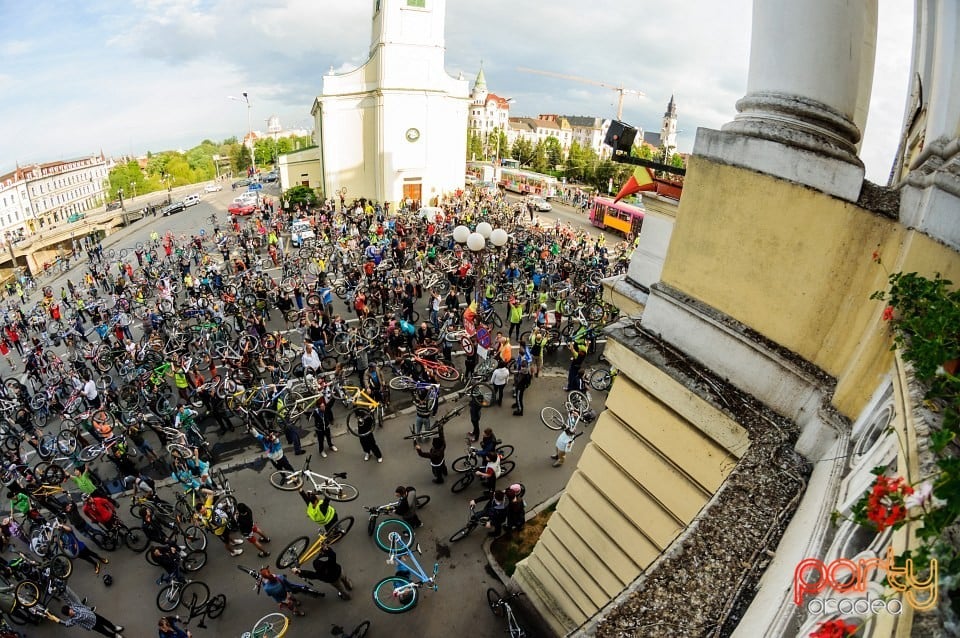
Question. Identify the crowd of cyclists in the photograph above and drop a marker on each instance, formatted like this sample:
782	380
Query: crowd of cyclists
116	378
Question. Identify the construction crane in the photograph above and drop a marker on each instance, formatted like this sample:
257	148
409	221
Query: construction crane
619	89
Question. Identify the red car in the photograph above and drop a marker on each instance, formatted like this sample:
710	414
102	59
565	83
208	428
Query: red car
241	209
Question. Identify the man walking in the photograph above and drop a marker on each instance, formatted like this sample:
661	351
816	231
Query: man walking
82	616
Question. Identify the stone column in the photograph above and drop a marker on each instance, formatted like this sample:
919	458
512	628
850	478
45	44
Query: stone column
811	71
930	198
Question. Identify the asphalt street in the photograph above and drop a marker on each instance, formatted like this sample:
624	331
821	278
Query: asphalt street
458	608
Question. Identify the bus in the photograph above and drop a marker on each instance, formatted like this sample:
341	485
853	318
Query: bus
621	217
528	182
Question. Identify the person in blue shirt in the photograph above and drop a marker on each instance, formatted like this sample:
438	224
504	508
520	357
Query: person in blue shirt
273	449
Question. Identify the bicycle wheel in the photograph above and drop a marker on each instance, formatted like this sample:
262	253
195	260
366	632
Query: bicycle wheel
361	630
464	464
216	605
580	400
61	566
341	492
136	539
552	418
462	483
354	419
287	481
422	501
447	373
483	393
370	328
27	593
462	533
194	560
290	556
403	383
505	451
168	598
389	526
194	594
600	379
270	626
90	453
394	595
340	529
194	538
493	602
506	467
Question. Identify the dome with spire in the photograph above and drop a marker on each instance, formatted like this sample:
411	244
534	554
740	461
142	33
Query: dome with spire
480	84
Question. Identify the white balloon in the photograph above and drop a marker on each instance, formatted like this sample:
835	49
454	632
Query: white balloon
460	234
476	242
484	229
498	237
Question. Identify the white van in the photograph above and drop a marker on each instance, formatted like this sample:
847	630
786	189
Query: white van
191	200
250	198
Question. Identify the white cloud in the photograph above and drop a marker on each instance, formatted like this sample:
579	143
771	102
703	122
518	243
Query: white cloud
156	73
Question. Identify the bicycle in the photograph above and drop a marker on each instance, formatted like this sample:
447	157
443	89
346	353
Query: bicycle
170	597
381	532
398	593
468	478
475	520
273	625
213	609
362	405
329	486
297	552
471	461
500	606
437	426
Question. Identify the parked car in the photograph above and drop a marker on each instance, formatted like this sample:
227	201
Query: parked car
300	232
239	183
173	208
213	188
272	176
191	200
540	203
241	209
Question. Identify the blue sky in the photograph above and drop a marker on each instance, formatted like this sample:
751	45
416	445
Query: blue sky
128	77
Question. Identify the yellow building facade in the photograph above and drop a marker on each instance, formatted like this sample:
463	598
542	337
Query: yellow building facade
760	389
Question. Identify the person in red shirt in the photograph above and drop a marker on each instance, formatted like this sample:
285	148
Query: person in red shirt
100	511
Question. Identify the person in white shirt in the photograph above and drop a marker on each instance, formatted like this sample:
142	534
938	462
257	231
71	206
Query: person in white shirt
90	393
310	359
499	380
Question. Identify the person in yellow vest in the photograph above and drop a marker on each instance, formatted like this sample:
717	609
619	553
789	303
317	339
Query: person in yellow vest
180	380
320	511
515	317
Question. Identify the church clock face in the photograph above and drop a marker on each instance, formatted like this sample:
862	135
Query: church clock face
412	135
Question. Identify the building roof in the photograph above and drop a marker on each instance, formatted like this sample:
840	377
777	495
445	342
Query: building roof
501	101
480	84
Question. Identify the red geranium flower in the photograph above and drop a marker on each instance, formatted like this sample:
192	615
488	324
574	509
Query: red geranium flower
888	313
885	507
834	629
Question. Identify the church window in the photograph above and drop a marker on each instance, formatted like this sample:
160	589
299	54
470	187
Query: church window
417	3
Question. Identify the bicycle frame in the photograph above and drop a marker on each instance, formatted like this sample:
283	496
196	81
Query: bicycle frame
399	551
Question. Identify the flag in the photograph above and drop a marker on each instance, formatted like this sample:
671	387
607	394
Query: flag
641	180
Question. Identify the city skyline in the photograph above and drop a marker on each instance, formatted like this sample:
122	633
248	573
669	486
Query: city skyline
155	76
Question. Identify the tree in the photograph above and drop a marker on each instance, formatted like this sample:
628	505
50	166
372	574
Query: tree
553	151
644	151
540	162
677	160
522	150
474	147
300	194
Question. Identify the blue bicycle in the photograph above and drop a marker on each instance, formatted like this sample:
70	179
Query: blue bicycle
400	592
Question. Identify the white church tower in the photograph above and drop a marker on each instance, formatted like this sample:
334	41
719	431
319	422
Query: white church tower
668	128
393	129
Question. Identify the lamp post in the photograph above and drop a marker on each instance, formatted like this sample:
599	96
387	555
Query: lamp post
246	99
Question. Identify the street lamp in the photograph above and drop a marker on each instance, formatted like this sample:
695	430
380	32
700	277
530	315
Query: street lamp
246	99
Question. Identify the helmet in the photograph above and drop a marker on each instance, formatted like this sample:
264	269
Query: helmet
107	580
543	306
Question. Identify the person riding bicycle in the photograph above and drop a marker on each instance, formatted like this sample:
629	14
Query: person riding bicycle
495	510
319	511
491	471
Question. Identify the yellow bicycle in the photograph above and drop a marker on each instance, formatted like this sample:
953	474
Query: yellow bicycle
298	553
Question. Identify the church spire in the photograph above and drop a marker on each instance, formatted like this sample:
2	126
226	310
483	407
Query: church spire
671	108
480	84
